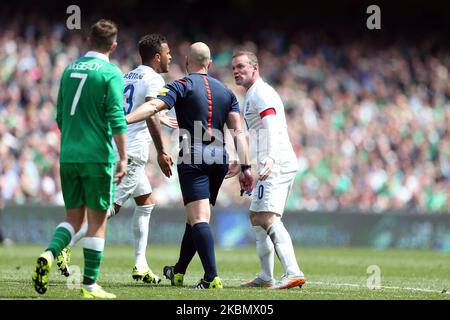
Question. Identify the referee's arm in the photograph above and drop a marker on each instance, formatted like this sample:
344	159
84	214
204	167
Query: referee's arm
146	110
240	141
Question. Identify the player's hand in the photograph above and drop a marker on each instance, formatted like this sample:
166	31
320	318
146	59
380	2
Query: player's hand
233	170
168	121
246	182
121	170
268	163
165	162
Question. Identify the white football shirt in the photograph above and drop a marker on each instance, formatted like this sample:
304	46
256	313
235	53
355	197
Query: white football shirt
260	98
140	83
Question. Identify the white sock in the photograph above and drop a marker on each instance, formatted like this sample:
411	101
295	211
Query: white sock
265	250
52	258
94	243
79	235
141	219
90	287
284	248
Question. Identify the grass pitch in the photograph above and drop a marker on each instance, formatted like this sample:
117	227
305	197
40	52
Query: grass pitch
333	273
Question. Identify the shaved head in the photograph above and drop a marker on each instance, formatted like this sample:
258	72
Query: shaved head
199	55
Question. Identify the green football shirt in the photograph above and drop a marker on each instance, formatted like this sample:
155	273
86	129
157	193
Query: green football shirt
90	109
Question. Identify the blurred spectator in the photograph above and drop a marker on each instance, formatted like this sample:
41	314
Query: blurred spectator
3	239
367	120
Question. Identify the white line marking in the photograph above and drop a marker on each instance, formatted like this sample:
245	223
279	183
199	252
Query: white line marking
381	287
320	283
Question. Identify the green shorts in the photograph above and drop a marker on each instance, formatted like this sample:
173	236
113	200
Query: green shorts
90	184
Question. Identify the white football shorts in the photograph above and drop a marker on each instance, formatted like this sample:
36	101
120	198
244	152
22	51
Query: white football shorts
134	184
271	194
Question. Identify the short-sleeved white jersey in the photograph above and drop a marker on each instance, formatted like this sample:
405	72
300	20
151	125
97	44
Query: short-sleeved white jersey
260	98
140	83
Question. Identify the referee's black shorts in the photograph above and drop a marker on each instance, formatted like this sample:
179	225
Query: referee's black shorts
201	181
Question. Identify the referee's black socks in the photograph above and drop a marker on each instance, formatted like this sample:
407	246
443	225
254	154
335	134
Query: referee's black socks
187	251
204	242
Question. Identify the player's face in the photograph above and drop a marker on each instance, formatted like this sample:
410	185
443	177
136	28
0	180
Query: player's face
243	71
165	57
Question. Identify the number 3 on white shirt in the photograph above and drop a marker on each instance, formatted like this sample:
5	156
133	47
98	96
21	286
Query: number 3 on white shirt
83	77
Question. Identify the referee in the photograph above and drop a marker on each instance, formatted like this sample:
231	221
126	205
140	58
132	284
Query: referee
203	106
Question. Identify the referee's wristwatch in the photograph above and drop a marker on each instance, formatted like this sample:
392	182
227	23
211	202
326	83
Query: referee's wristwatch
245	167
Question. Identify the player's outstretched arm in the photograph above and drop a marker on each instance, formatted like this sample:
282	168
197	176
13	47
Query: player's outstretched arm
146	110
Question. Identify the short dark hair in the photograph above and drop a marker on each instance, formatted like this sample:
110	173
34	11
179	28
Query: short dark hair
103	34
149	45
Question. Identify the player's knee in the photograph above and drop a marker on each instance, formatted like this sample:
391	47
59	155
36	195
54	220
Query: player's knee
144	200
254	219
199	216
198	219
263	219
75	221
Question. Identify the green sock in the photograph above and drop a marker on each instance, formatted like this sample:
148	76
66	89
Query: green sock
92	260
60	240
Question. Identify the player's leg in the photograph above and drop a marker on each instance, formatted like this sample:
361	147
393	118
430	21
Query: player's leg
63	259
99	192
265	250
61	238
276	232
81	233
268	202
93	247
264	245
136	184
141	221
74	202
125	189
285	251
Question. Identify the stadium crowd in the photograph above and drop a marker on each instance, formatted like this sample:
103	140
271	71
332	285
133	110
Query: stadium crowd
369	121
